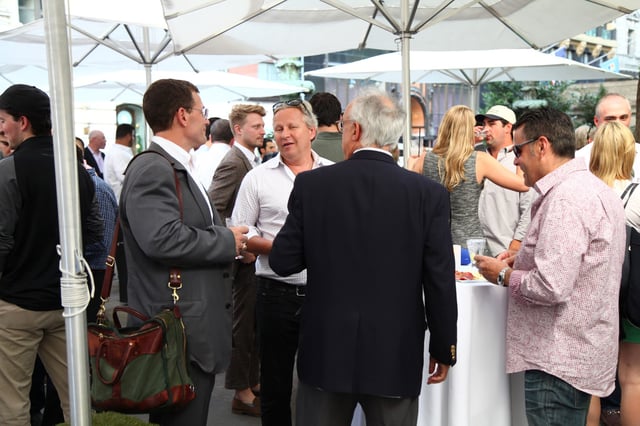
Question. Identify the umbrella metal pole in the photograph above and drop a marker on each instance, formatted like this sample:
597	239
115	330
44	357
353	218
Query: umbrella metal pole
474	95
148	79
405	42
73	286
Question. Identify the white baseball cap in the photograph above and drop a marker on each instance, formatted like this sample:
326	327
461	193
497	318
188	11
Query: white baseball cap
498	112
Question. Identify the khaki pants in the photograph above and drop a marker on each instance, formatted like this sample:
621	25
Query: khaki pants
23	334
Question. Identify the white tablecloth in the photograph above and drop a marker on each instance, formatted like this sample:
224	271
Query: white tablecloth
477	391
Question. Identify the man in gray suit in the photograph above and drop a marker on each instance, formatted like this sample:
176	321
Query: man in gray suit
160	234
247	125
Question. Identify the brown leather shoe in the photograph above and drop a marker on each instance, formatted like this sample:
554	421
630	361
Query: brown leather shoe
239	407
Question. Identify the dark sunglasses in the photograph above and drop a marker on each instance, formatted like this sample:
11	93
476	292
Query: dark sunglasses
517	149
296	103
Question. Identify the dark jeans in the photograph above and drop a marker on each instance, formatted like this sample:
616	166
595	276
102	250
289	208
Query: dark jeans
278	316
551	401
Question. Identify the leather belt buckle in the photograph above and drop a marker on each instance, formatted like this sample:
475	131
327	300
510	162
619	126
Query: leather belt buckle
300	290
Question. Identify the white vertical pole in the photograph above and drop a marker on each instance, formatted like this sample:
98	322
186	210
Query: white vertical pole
60	84
405	38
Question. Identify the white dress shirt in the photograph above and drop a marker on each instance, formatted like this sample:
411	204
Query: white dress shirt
114	166
186	159
262	206
207	161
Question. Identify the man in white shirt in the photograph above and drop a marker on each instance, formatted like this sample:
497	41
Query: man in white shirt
504	214
262	205
119	156
221	139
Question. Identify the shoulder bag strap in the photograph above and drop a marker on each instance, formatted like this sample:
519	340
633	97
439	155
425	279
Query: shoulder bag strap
175	279
628	190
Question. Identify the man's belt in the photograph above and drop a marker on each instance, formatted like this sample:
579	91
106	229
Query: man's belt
271	284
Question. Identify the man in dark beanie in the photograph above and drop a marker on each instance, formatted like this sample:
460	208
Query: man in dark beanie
31	321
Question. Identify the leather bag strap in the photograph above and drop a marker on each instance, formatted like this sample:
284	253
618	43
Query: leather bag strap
111	262
175	278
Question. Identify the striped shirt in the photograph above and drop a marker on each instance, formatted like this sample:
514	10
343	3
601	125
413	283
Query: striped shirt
563	304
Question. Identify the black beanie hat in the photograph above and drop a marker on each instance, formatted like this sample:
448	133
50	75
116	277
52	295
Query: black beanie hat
25	100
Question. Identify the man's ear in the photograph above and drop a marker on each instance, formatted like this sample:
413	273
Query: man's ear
180	116
24	123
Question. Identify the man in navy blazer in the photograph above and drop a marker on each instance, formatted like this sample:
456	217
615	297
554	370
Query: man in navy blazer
376	242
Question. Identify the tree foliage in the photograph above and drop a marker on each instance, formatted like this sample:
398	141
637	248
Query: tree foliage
579	105
585	106
501	93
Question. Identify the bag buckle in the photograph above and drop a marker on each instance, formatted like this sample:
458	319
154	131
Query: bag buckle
175	284
300	290
110	261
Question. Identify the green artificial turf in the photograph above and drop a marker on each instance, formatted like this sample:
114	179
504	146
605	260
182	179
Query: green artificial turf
109	418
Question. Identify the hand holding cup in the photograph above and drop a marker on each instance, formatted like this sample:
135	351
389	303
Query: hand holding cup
240	235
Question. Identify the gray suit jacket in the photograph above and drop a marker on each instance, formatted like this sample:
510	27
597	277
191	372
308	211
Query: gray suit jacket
226	181
157	239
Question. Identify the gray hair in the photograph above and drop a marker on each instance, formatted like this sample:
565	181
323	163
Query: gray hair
380	118
309	118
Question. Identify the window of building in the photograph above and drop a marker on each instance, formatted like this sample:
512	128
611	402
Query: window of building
29	10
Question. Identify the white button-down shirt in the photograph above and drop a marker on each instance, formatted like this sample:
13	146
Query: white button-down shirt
187	160
262	205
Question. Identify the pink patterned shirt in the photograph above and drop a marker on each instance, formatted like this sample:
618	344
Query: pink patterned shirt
563	304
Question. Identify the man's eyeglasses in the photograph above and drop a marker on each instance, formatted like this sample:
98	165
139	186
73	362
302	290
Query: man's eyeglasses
204	111
517	149
296	103
341	124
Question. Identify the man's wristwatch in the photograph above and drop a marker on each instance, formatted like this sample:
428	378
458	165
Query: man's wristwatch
501	276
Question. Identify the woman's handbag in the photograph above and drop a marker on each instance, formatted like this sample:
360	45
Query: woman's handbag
139	369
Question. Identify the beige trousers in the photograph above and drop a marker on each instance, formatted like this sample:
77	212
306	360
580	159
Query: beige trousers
23	335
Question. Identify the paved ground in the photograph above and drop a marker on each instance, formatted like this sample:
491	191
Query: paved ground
220	409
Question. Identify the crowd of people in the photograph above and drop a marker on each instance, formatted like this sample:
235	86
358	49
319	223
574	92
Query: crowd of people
288	254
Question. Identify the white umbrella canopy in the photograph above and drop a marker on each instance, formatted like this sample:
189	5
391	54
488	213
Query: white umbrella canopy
214	86
307	27
103	38
471	67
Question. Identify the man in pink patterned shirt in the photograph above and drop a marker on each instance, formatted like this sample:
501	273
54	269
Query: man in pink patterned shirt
562	323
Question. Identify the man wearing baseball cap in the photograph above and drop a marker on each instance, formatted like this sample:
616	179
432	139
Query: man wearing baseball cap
31	321
504	214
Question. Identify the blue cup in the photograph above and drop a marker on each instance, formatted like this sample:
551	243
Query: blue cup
464	256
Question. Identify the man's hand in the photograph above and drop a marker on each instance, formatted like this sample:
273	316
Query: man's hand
416	163
247	257
440	373
489	267
508	256
240	235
